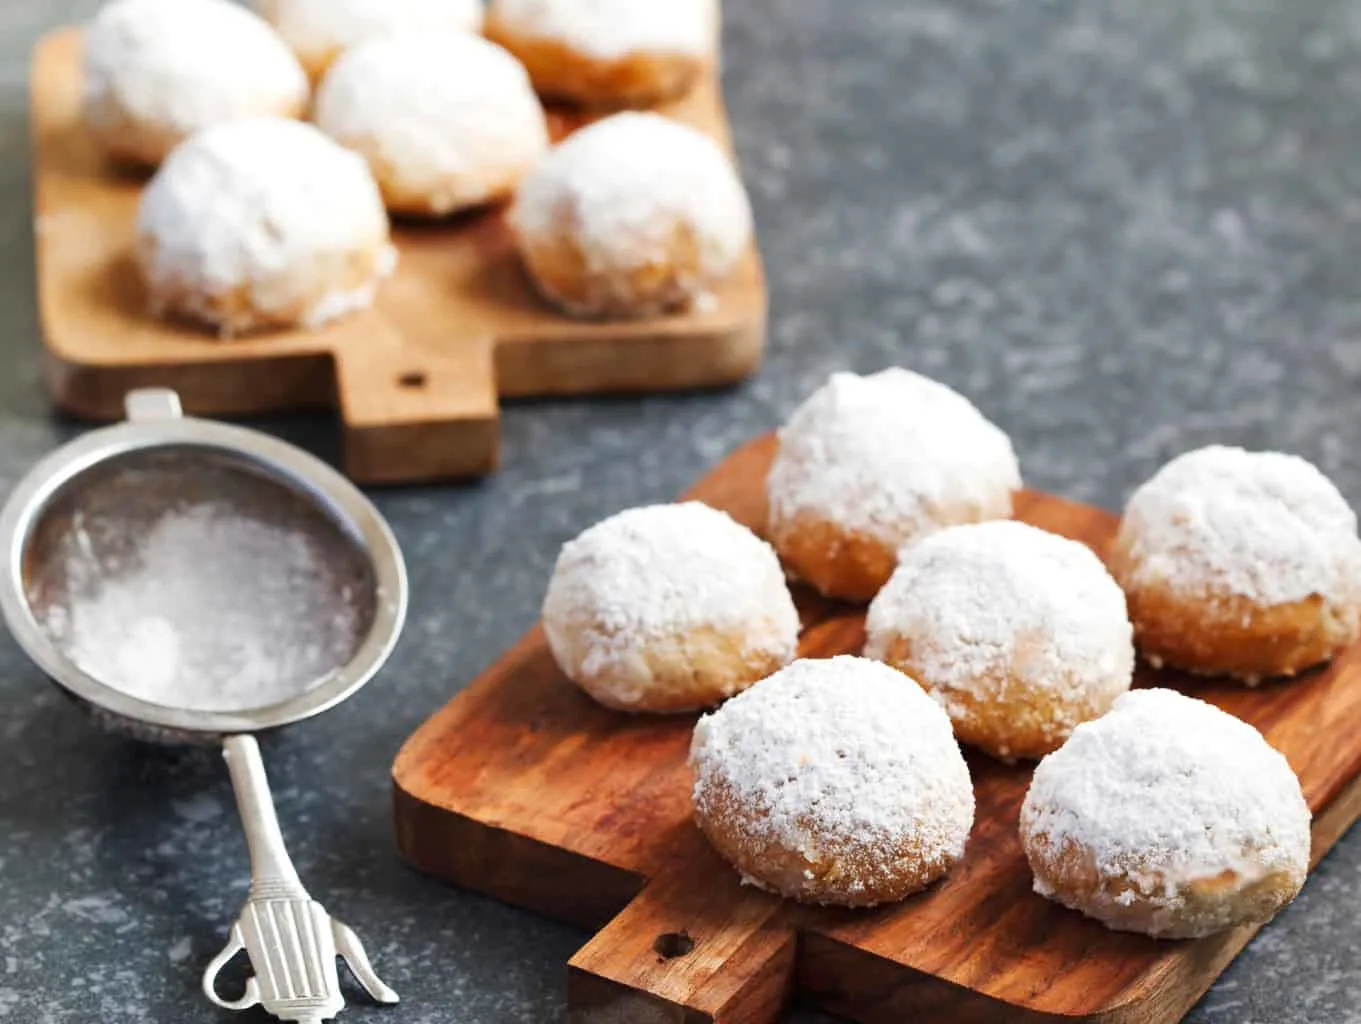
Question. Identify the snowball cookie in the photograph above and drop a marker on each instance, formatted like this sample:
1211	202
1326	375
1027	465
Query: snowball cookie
1245	564
446	121
834	781
262	223
668	608
868	464
608	52
632	216
1169	817
319	30
1018	633
157	71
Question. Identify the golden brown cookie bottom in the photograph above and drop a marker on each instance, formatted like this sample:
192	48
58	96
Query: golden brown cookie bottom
562	73
1005	715
672	277
856	873
235	311
1156	905
137	144
684	672
1230	635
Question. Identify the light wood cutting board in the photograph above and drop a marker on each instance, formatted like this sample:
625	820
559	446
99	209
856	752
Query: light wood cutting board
416	379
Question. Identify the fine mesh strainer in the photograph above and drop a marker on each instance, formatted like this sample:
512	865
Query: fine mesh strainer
193	582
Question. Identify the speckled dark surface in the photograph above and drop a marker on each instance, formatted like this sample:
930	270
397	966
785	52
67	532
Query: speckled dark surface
1123	228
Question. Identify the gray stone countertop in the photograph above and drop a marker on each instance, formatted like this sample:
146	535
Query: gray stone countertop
1124	229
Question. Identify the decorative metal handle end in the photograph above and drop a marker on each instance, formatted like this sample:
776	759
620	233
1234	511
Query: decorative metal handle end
352	951
251	997
291	941
293	944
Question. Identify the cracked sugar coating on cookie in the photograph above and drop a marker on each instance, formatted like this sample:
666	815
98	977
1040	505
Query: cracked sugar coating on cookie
843	766
614	28
267	214
156	71
1161	797
446	120
1223	521
668	598
1000	612
318	30
892	456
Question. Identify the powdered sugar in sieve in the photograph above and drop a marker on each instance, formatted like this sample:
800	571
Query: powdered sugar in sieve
190	579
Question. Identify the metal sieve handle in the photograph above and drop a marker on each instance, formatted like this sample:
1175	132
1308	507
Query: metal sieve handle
291	941
152	404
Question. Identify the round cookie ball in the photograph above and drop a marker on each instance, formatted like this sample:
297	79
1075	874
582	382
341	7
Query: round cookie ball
320	30
446	121
616	53
869	464
835	781
632	216
1168	817
668	608
1019	634
1237	563
262	223
157	71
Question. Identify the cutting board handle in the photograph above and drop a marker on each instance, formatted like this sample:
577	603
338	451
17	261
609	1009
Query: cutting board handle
695	947
414	411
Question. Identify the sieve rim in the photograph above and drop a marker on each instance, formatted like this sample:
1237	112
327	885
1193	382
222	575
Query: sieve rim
289	466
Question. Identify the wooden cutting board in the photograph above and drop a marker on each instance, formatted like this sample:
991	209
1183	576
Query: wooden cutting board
524	789
416	378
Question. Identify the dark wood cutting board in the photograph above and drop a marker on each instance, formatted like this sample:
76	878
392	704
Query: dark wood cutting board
523	788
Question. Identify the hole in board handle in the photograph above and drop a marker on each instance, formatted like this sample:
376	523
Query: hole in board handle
670	945
412	379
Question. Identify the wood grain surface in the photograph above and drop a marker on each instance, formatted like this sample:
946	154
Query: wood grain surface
523	788
416	379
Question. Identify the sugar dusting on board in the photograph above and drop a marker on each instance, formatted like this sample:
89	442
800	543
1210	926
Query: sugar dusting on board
229	599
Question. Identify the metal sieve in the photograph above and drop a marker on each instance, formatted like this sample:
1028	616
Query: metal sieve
85	518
